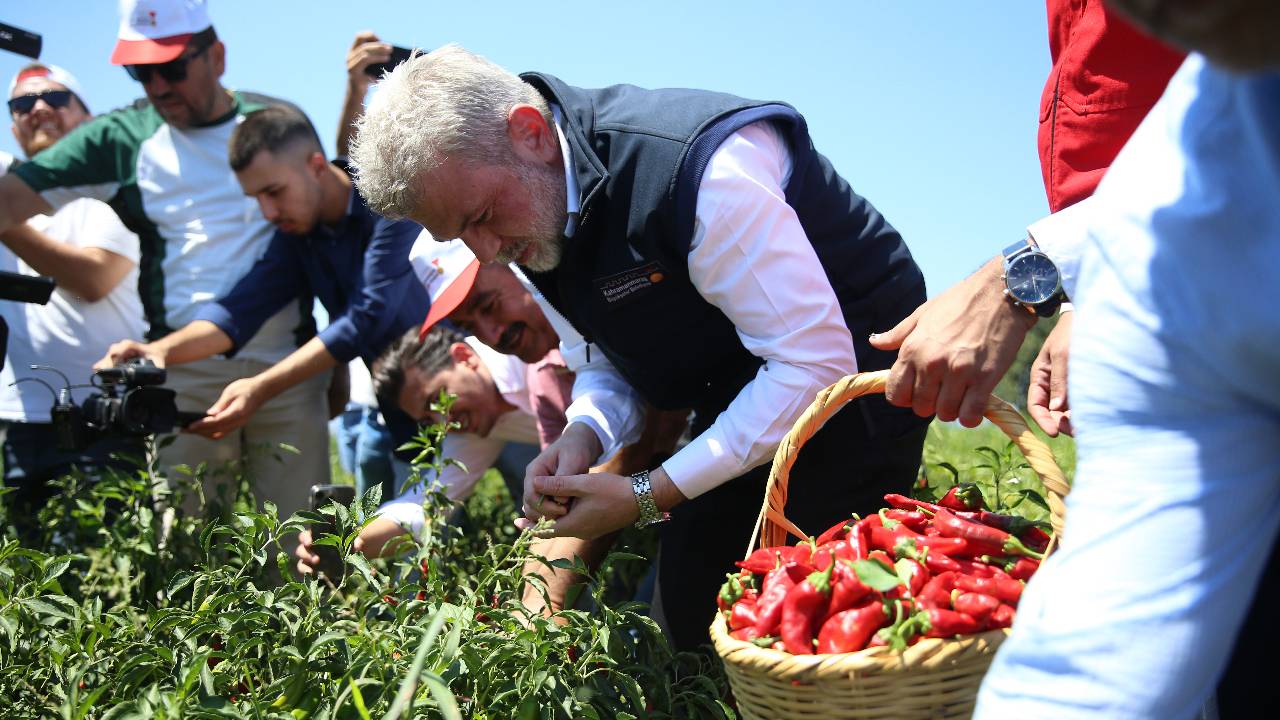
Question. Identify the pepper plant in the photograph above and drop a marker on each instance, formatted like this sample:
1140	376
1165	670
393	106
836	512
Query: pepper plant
132	608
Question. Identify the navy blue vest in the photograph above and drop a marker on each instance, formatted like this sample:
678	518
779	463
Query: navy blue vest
623	282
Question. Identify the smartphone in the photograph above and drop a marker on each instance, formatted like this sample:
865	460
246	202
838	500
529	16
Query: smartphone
321	495
398	55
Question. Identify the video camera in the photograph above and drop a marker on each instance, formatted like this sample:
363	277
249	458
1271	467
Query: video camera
130	404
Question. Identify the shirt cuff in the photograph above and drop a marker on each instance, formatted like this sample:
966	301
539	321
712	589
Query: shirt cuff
339	339
612	439
220	316
705	463
1063	237
409	515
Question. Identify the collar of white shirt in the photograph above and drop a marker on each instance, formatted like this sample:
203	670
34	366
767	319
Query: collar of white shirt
570	182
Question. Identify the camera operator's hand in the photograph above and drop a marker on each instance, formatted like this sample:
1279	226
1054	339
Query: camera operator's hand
128	350
381	536
238	402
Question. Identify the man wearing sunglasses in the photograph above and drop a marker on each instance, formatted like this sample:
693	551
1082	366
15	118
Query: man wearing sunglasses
94	260
161	163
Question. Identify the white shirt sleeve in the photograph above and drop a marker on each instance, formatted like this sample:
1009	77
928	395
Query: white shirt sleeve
475	452
751	258
1063	236
602	400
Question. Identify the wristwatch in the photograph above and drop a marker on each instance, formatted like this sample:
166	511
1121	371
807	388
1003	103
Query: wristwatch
649	514
1031	280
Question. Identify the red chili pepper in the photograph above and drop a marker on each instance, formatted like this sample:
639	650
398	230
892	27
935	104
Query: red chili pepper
983	539
1022	568
859	542
978	569
805	606
763	560
881	557
1035	538
849	630
743	614
918	547
846	589
941	623
976	605
937	592
883	538
837	532
1002	617
938	563
774	591
843	550
746	634
965	496
903	502
1005	590
913	519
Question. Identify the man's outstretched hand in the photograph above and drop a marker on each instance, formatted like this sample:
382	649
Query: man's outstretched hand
954	348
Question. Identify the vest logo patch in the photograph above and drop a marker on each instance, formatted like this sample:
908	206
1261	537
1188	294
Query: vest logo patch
619	287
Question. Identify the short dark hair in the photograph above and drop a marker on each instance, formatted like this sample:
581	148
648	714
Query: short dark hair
272	128
430	356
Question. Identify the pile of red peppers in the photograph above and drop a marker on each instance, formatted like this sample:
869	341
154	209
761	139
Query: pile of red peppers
913	570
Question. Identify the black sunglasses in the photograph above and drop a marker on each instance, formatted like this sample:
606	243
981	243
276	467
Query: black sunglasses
174	71
24	104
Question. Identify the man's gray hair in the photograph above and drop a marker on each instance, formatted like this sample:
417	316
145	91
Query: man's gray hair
449	103
430	356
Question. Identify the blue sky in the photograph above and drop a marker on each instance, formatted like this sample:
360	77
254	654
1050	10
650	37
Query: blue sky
929	109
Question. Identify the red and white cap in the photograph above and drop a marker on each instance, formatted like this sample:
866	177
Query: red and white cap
157	31
447	270
53	73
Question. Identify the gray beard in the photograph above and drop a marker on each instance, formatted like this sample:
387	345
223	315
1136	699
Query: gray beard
548	197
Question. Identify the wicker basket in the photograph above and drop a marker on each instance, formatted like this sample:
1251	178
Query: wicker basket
933	678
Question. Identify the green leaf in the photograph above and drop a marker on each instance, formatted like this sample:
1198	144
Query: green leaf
41	607
875	575
443	696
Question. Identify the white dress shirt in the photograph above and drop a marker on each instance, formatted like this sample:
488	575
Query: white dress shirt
1063	237
476	453
750	258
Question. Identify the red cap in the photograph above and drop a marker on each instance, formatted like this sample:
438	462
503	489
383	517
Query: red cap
450	297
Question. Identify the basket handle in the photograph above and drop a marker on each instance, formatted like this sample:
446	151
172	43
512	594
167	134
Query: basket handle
772	526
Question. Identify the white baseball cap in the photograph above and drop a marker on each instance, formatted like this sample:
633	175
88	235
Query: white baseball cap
157	31
53	73
447	270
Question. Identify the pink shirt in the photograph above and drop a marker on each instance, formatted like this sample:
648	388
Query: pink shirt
550	384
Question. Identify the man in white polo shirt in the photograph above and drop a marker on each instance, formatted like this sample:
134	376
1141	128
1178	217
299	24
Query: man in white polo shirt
93	259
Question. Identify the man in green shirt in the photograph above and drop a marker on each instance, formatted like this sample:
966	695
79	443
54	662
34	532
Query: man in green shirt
161	164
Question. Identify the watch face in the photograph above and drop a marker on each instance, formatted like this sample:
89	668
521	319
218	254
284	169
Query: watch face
1032	278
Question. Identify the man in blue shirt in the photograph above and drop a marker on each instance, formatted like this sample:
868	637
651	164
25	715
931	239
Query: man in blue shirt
355	262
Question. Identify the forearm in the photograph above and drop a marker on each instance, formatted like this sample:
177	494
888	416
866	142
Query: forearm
18	202
559	581
197	340
86	272
307	361
352	107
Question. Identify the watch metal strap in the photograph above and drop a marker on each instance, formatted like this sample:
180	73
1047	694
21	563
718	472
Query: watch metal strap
649	514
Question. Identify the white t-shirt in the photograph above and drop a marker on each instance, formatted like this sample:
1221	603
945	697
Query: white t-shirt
67	333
